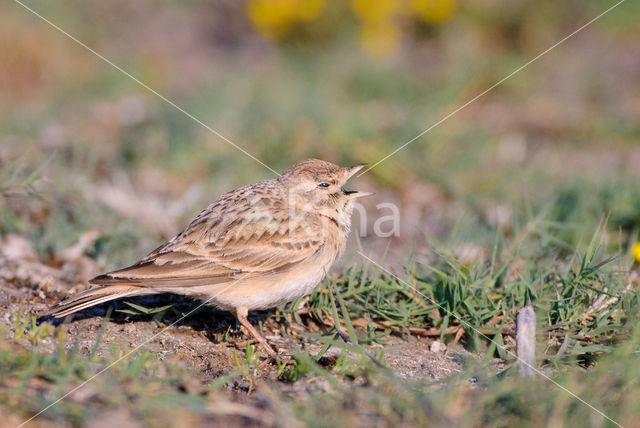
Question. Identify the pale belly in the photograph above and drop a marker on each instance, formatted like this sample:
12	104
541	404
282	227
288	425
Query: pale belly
266	292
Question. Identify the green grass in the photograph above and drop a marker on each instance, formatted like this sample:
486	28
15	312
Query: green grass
482	298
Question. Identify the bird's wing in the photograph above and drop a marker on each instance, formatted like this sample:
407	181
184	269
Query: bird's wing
213	250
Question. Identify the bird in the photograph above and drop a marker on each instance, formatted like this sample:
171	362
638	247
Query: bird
255	248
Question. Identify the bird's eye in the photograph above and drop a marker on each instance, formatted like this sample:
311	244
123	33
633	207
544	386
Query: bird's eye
323	185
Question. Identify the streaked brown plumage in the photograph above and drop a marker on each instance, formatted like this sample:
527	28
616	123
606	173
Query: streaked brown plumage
256	247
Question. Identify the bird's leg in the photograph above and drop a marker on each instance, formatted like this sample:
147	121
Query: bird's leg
241	314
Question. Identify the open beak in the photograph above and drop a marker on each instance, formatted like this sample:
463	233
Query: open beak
354	194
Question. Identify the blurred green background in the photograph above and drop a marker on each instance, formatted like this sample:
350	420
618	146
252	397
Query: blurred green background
82	146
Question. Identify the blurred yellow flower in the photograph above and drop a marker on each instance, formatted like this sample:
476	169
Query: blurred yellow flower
374	11
381	38
635	252
274	18
379	32
434	11
308	10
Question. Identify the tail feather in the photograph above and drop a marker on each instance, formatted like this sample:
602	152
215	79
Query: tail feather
95	296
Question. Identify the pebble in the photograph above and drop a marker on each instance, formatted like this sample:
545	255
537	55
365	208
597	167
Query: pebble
438	347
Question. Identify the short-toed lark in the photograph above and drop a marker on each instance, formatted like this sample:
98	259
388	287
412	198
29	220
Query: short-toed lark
256	247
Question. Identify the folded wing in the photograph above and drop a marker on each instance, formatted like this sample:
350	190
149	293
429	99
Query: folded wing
216	252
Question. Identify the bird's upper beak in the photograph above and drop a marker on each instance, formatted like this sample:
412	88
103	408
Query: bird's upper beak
354	194
353	169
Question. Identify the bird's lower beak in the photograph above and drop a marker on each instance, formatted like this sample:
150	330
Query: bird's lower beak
354	194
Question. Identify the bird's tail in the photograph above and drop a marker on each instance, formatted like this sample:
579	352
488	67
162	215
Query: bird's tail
95	296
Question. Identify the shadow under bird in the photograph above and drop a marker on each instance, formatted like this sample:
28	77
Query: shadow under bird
256	247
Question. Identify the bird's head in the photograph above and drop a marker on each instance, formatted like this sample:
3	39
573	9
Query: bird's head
319	185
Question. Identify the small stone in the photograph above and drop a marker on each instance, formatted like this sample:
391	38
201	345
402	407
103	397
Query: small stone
438	347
